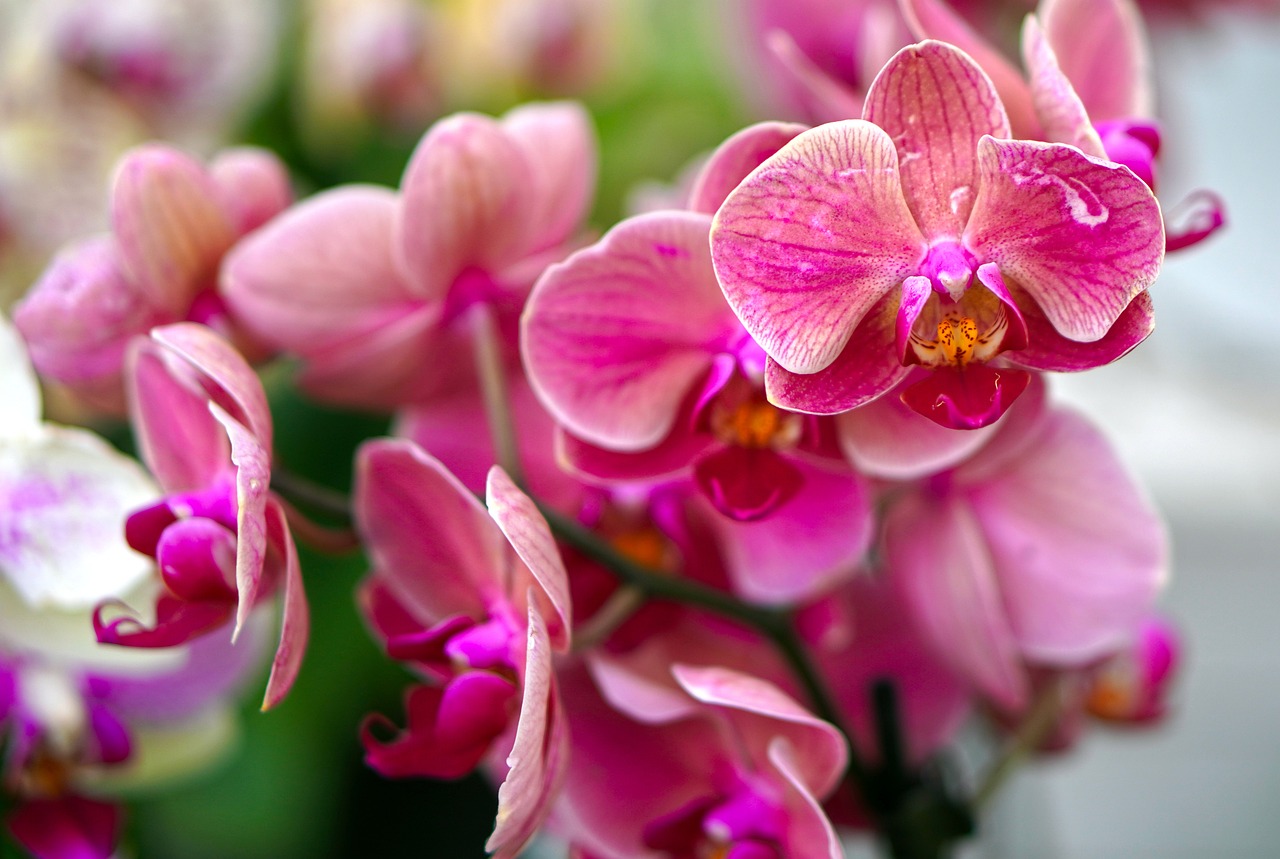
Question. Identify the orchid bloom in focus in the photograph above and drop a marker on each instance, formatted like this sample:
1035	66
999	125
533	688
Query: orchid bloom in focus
921	235
1039	550
172	221
219	536
476	600
372	288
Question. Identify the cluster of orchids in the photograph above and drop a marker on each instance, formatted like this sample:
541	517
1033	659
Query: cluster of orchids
701	537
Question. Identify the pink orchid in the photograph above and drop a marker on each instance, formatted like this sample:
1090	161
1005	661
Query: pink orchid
1039	550
634	350
919	235
371	289
1132	687
477	600
172	221
219	537
710	761
1088	82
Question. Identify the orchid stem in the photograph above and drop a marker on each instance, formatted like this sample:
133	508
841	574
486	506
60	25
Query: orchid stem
492	374
307	493
1030	734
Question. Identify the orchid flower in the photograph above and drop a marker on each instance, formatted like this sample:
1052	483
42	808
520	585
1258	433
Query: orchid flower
1088	82
371	289
920	235
705	762
172	221
1038	550
77	715
476	600
219	536
634	350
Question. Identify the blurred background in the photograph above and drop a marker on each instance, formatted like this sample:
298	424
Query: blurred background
342	90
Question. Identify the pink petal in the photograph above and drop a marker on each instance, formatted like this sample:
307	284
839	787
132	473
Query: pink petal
429	538
527	532
70	827
734	159
224	374
809	833
615	338
966	398
179	439
78	318
253	482
295	623
806	546
866	369
1102	48
887	438
670	458
936	104
167	217
761	712
1062	115
746	484
558	140
197	560
538	755
322	274
466	201
1048	350
1078	549
941	565
934	19
253	186
1080	235
810	241
823	97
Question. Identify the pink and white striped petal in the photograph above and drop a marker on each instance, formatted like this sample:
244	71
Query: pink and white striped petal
813	239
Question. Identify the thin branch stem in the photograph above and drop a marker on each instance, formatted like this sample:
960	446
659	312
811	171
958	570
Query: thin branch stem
303	492
1030	734
492	374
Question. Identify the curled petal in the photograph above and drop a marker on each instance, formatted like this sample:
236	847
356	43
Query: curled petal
253	483
1062	115
614	338
809	834
1102	48
177	622
1046	349
295	623
936	104
1194	219
1080	235
813	239
167	217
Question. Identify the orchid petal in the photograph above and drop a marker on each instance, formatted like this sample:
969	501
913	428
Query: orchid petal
560	145
762	712
824	98
670	458
746	484
536	761
734	159
1048	350
966	398
1062	114
934	19
942	568
936	104
614	338
809	833
1102	48
179	439
639	686
171	227
253	484
809	544
295	624
813	239
69	827
253	186
64	497
429	538
466	201
887	438
522	524
197	560
176	622
321	274
1082	236
865	369
1078	549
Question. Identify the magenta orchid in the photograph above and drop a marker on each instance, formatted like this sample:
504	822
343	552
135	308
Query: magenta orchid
1038	550
219	536
706	762
388	278
868	246
172	221
477	601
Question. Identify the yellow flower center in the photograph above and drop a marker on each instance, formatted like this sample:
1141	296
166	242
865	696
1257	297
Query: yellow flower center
755	423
